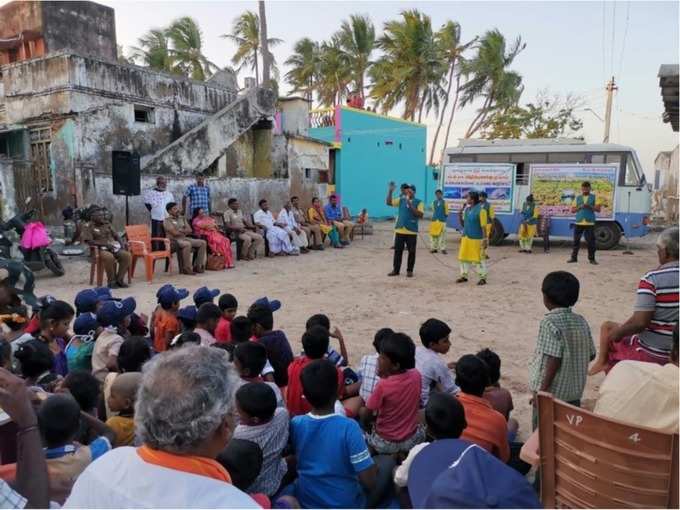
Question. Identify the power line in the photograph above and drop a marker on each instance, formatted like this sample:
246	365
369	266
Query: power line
613	36
625	33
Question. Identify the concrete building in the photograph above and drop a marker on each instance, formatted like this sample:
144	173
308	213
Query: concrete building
666	164
369	151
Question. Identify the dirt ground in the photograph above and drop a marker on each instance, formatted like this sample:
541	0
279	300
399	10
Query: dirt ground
352	288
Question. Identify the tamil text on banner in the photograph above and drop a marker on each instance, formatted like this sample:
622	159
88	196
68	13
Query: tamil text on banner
496	179
555	187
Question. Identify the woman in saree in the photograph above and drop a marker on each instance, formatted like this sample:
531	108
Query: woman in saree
218	243
317	217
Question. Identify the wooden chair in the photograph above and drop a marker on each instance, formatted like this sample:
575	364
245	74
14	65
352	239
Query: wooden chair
588	461
97	268
139	240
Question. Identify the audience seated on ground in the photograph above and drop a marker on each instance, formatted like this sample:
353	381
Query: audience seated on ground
250	359
122	401
275	342
368	366
435	373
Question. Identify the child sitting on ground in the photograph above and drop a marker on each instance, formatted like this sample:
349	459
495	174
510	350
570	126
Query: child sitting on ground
187	318
368	366
207	317
59	420
86	389
205	295
565	345
122	401
333	462
249	360
434	372
320	319
243	461
278	348
111	316
229	306
165	323
262	422
395	400
500	398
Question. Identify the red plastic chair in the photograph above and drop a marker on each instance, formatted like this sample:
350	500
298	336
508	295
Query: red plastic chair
139	240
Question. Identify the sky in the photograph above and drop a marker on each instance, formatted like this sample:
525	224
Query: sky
571	47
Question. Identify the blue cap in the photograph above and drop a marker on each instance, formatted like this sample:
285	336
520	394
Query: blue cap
43	302
85	324
205	295
273	305
452	473
104	293
112	313
86	300
169	294
188	313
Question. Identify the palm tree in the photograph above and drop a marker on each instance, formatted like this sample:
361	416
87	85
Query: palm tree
448	38
334	73
357	40
154	50
304	64
187	43
410	69
245	33
489	78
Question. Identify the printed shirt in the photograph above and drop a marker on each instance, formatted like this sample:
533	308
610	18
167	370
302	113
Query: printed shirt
330	452
566	335
272	437
396	399
485	426
287	218
640	393
295	400
234	219
433	373
266	219
158	199
199	196
107	344
9	498
658	293
333	212
368	373
421	208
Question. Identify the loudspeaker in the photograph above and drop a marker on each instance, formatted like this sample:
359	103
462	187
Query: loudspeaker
126	174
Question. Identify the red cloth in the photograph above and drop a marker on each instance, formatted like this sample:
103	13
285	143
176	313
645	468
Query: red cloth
396	399
33	325
485	426
223	331
295	401
217	243
630	348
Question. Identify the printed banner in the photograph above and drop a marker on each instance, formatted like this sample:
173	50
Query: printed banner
555	187
496	179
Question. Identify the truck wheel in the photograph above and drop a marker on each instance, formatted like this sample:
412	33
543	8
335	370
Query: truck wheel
497	233
607	235
53	263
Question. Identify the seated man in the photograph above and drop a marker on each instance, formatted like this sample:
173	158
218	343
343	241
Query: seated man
236	222
334	213
297	235
279	240
312	230
177	229
99	232
647	334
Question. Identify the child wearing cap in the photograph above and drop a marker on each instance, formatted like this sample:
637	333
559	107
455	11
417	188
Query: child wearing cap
279	352
187	318
229	306
395	400
80	346
205	295
207	317
89	300
262	422
122	401
165	323
110	316
435	373
250	359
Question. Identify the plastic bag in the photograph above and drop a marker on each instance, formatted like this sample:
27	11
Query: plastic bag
35	236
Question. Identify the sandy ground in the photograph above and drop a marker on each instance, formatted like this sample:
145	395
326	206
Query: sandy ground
351	287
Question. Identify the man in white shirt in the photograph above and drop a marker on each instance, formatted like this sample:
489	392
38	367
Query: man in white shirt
279	240
297	235
155	200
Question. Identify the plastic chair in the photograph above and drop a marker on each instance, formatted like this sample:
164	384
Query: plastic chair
589	461
139	240
97	268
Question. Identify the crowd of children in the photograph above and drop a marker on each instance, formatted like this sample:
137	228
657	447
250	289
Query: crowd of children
308	429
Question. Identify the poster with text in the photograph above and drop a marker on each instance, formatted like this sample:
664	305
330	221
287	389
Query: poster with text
497	179
555	187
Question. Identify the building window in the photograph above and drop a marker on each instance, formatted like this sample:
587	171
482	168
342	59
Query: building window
41	138
323	176
308	173
522	174
144	114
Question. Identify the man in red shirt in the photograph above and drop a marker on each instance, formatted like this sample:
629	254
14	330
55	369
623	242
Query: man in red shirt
485	426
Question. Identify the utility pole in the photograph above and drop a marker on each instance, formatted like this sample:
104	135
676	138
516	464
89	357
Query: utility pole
611	87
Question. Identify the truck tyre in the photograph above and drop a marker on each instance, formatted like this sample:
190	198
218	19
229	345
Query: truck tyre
607	235
497	233
53	263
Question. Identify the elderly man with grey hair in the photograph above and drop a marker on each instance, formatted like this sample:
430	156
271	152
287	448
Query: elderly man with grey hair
648	334
184	417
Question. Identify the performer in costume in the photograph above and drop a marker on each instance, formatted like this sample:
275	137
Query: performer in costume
474	240
440	213
410	210
527	229
490	215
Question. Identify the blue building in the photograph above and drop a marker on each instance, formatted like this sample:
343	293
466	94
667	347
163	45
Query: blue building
370	150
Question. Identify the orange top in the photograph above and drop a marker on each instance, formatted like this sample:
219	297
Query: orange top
165	325
194	464
485	426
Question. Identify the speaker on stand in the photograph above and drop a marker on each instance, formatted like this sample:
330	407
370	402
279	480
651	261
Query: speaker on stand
126	177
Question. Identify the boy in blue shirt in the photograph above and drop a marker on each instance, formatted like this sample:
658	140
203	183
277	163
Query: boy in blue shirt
333	462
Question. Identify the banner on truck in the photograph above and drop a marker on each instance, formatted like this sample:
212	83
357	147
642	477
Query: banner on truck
494	178
555	187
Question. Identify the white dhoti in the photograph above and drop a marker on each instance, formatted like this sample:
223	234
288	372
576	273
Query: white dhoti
279	241
299	240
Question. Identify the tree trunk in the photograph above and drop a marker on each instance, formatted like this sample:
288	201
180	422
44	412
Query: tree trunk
453	111
264	47
479	119
420	109
441	117
257	69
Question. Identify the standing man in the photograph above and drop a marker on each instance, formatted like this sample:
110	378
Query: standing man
410	211
155	200
177	229
236	221
112	249
279	239
585	206
333	213
199	196
440	212
312	230
297	235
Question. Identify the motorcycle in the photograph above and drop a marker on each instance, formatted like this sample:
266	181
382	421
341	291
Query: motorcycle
36	255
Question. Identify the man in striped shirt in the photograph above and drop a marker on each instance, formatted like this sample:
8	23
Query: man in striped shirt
648	334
